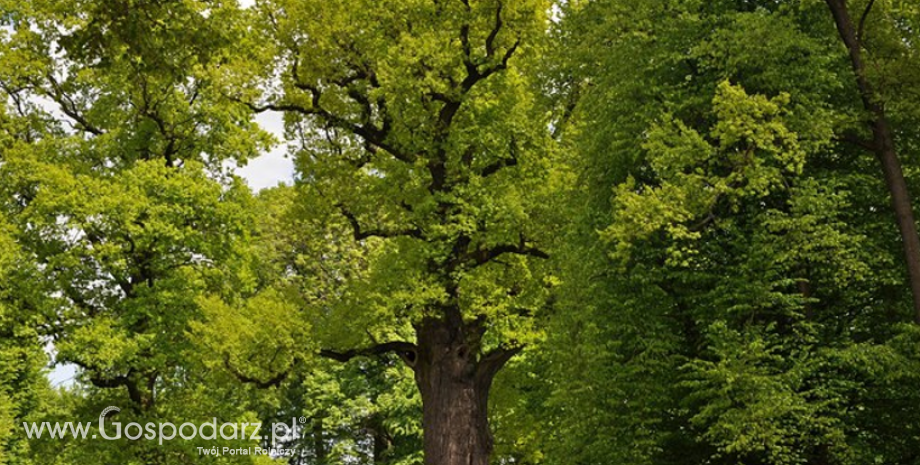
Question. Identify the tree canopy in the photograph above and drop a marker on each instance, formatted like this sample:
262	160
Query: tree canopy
519	231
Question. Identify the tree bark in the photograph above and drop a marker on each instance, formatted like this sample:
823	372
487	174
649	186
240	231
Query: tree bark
883	146
453	376
454	381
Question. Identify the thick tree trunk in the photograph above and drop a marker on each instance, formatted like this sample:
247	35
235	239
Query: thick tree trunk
883	146
453	375
454	384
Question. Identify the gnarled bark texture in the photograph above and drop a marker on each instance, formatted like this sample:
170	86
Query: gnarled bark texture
455	394
454	376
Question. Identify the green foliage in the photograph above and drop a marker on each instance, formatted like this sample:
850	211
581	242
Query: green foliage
23	388
387	189
115	186
665	202
738	269
753	155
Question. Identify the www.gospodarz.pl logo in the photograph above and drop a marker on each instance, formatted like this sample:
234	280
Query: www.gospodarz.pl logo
159	431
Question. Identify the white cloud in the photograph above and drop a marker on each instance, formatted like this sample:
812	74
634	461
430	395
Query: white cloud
273	167
63	375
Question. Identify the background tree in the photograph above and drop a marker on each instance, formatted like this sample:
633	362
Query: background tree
114	181
750	277
357	412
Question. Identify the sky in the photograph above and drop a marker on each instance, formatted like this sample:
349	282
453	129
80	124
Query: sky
272	167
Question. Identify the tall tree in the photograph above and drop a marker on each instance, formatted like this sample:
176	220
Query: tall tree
419	138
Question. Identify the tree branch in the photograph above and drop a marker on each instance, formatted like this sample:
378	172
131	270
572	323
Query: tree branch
370	135
69	107
862	21
568	109
367	131
858	142
493	361
490	41
261	384
484	256
503	64
108	383
361	234
473	74
405	350
134	393
497	166
507	162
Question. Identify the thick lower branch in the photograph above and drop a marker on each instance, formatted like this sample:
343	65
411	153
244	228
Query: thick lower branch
140	400
491	363
405	350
